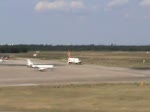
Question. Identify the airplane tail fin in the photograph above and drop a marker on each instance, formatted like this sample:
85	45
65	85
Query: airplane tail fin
69	54
29	63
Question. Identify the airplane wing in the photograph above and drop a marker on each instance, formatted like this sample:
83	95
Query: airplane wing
42	68
45	68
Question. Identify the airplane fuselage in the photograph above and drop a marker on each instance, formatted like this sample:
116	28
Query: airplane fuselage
43	66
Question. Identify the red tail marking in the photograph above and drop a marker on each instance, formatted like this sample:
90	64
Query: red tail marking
69	54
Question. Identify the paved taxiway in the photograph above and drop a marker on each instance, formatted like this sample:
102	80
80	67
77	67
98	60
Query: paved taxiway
16	73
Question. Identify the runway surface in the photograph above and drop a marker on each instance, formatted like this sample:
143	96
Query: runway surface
16	73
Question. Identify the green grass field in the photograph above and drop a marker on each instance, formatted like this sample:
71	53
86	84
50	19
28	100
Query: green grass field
81	98
76	98
114	59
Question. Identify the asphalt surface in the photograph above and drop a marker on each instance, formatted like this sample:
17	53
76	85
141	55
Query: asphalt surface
16	73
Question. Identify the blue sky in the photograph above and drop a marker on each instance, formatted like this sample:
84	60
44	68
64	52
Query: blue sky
121	22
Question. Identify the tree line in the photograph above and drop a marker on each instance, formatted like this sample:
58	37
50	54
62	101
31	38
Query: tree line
25	48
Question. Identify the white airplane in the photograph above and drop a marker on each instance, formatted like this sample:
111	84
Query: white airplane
1	60
40	67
